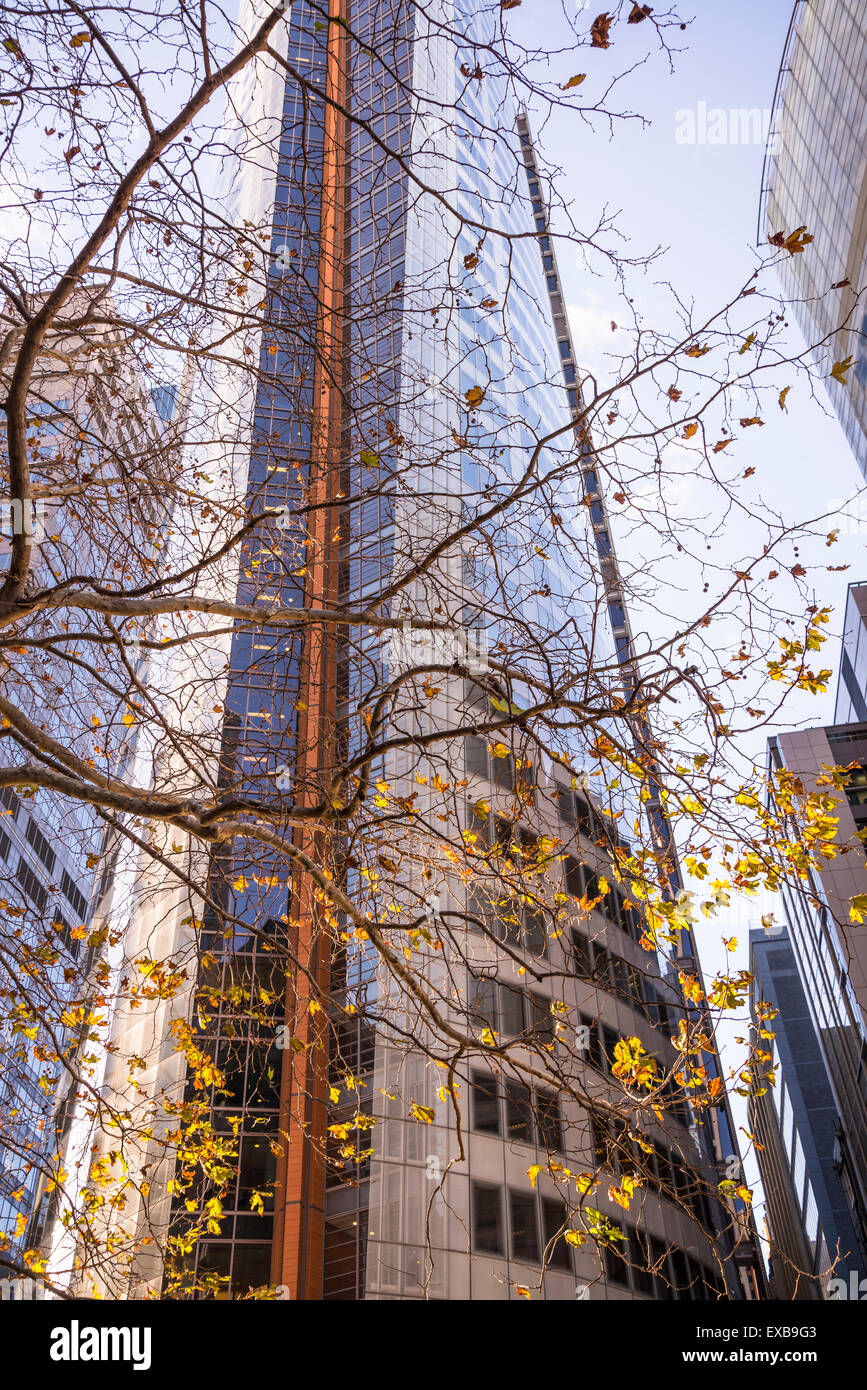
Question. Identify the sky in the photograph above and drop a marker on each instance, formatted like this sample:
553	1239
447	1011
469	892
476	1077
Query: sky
700	201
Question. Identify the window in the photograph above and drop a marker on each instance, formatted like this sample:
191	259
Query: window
603	970
62	927
581	962
41	845
616	1268
511	1010
659	1265
487	1218
484	1002
553	1219
523	927
519	1113
549	1121
601	1141
639	1256
535	929
610	1040
525	1227
680	1274
540	1021
35	891
77	898
485	1103
589	1038
574	877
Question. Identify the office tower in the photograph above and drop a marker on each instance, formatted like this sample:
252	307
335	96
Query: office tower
814	177
851	706
84	408
809	1220
717	1132
392	403
827	943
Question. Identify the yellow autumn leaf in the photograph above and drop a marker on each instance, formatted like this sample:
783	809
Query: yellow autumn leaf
839	370
422	1113
858	907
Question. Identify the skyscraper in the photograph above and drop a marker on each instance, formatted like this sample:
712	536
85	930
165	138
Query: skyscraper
84	405
814	177
851	706
408	376
812	1236
828	945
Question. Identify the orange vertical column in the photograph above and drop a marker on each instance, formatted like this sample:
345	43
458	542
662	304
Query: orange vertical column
299	1233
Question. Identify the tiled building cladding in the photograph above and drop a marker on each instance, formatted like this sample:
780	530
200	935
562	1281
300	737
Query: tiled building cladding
381	1229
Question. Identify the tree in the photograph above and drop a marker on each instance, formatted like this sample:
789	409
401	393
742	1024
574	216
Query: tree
321	652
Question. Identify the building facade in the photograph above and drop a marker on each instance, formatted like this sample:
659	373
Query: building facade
851	706
78	426
811	1233
829	947
815	177
417	372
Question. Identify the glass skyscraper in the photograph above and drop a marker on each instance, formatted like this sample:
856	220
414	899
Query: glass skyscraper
815	176
813	1238
829	949
85	404
410	378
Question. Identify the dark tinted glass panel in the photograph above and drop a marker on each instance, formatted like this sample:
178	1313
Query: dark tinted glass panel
553	1218
542	1022
661	1275
519	1113
486	1104
581	962
616	1268
251	1268
487	1219
511	1010
550	1122
525	1230
535	930
642	1277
